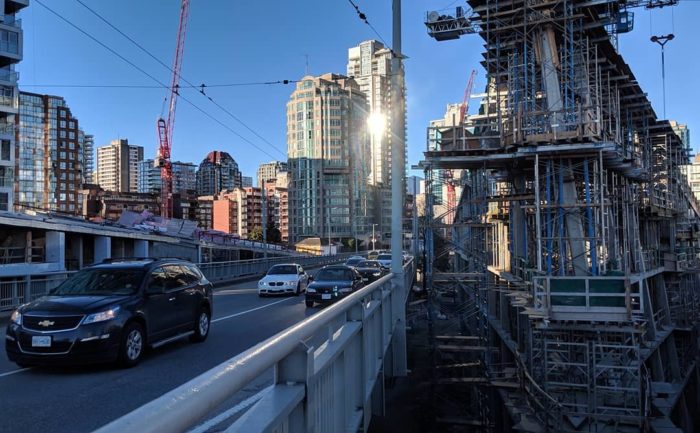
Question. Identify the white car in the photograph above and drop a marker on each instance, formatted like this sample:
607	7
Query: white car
282	279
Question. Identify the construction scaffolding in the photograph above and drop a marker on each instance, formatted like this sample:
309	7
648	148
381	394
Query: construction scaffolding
568	269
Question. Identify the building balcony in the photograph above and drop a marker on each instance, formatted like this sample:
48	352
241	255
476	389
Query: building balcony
9	77
11	44
13	6
6	182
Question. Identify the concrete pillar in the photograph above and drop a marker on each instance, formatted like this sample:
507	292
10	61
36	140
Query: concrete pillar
56	248
103	248
140	248
76	248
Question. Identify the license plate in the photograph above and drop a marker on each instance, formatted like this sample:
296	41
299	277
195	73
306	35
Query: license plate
41	341
365	279
326	296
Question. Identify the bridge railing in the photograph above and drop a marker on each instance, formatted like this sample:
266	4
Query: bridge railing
328	371
18	290
226	271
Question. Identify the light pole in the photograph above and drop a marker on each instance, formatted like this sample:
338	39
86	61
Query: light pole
663	40
328	214
373	238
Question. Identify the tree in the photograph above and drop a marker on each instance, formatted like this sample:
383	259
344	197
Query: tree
255	234
274	235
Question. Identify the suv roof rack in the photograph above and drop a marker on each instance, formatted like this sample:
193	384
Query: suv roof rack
127	259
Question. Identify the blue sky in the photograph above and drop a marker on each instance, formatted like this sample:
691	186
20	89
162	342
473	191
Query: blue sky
234	42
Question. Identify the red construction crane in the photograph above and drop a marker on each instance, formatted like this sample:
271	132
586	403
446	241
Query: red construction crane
464	108
448	175
165	127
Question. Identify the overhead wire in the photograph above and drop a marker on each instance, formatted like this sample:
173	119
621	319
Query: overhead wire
201	87
149	86
132	64
363	17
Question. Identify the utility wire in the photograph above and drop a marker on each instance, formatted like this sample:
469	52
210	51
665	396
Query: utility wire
153	78
190	84
147	86
364	19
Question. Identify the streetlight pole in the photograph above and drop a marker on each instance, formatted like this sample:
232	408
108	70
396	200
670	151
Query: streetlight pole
397	143
328	214
373	238
662	41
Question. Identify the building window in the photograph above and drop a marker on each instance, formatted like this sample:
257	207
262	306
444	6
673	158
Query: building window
4	201
5	150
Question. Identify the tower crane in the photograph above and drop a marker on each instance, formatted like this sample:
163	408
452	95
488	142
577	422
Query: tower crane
165	126
448	175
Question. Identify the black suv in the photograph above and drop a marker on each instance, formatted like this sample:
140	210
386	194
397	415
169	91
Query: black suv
110	312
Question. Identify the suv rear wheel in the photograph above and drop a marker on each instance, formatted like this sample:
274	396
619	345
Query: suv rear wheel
201	326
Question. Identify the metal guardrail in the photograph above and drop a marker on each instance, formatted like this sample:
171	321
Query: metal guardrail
15	291
226	271
325	371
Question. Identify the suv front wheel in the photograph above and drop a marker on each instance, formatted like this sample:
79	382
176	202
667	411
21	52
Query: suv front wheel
201	326
132	345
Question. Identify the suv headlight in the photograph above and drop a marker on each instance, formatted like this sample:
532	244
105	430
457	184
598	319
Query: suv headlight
102	316
16	317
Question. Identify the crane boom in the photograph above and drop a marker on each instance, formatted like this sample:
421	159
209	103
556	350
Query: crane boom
165	127
464	108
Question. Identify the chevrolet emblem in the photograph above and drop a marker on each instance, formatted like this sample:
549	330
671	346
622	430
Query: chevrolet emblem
46	323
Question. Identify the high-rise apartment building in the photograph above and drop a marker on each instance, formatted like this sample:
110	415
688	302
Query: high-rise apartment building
246	181
270	170
328	148
184	177
118	166
277	205
11	38
369	64
50	156
217	172
88	158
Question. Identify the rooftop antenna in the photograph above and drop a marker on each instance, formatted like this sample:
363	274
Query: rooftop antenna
662	41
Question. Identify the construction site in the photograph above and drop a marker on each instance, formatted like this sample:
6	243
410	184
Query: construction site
562	272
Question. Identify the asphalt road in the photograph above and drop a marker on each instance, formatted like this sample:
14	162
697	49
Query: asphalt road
81	399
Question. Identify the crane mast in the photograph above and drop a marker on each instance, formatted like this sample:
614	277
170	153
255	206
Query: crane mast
165	126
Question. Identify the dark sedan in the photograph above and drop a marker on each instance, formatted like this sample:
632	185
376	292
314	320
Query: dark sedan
332	283
111	312
371	270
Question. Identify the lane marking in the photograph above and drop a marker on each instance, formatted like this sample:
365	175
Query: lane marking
251	310
9	373
231	412
235	292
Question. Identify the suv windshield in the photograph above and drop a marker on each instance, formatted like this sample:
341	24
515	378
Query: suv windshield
101	282
282	270
368	264
337	274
